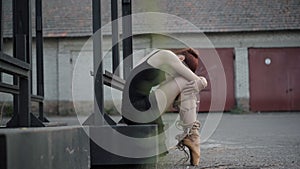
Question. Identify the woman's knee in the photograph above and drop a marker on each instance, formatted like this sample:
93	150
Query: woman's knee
181	82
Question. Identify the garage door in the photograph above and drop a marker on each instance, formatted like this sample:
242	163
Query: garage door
274	77
226	56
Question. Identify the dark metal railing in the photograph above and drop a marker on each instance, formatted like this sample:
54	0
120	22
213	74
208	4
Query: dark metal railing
127	37
39	60
99	79
19	65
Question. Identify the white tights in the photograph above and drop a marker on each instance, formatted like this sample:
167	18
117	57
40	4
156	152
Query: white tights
188	110
188	105
166	94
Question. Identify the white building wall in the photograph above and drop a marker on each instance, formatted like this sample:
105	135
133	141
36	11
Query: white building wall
60	55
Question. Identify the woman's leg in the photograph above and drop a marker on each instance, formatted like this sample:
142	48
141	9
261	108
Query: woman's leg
166	94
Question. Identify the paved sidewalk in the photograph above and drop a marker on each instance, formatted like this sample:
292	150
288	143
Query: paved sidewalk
243	141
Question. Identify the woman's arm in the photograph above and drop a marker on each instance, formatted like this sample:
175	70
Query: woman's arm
169	62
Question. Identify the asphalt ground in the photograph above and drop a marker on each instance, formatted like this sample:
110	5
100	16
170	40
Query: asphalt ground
249	141
241	141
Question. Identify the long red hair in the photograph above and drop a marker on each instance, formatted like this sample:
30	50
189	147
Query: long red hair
191	57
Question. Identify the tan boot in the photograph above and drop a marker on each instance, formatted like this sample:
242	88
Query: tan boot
192	142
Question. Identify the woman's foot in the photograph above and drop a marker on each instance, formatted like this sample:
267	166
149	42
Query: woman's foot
192	142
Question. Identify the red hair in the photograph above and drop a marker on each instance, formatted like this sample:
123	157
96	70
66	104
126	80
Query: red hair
191	57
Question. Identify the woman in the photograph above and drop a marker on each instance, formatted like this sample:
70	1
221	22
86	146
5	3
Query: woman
154	84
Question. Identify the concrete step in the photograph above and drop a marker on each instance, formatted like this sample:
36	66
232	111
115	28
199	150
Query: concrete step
123	145
65	147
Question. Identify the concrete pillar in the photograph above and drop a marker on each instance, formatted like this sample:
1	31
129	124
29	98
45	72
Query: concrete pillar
242	92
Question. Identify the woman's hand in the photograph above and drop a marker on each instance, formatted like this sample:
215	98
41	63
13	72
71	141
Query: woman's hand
195	86
202	82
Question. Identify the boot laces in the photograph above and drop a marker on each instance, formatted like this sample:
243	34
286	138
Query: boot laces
181	147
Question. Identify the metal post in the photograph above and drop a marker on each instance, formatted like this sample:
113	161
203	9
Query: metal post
22	26
99	117
115	37
39	56
98	66
22	103
1	28
127	37
22	50
1	33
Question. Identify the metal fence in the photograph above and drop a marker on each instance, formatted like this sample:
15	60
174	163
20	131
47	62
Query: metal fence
20	66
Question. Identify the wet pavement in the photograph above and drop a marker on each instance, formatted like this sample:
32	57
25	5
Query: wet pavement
242	141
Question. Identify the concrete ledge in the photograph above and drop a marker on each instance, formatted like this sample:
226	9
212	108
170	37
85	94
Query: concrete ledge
48	148
109	136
